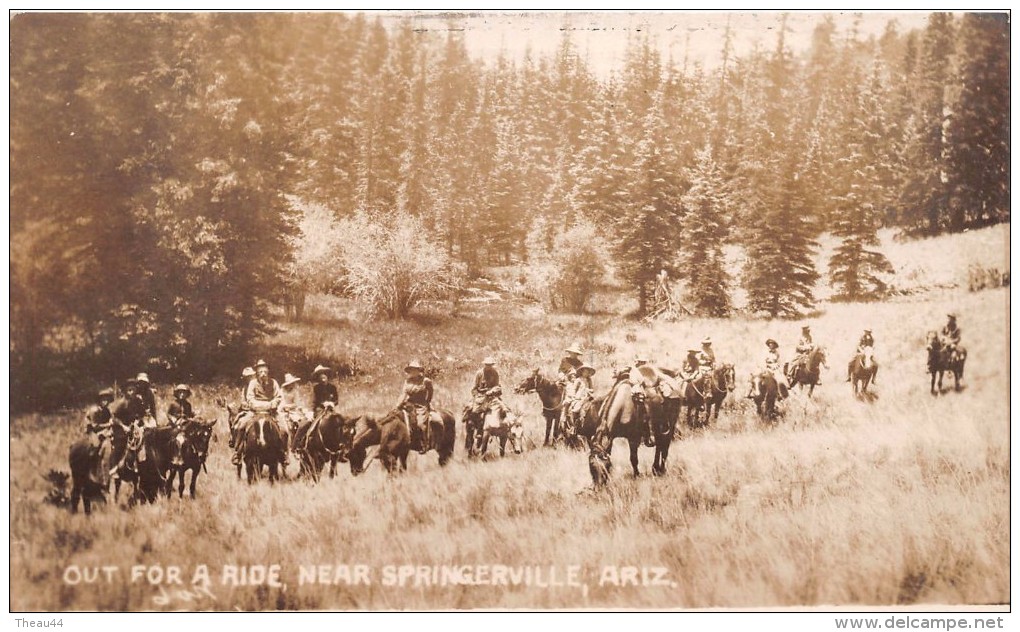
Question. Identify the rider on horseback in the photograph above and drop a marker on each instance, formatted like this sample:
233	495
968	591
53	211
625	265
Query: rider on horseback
569	364
180	409
128	412
416	400
706	357
773	365
263	394
148	398
98	421
486	392
323	391
951	333
578	392
867	341
804	346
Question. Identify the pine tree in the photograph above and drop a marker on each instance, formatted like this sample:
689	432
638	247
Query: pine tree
978	130
859	197
702	261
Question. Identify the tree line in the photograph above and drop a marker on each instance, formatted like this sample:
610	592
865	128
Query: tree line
162	165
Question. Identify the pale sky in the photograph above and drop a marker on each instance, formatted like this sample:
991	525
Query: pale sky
602	36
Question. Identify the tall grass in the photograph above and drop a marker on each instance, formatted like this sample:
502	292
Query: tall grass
900	500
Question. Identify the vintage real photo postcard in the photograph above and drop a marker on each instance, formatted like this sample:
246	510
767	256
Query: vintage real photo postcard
509	310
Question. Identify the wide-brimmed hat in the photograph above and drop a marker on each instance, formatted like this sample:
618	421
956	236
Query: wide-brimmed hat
182	387
489	360
105	392
289	379
867	331
413	364
693	351
640	358
585	367
770	342
951	315
142	377
321	369
573	349
130	382
806	328
260	364
706	341
248	372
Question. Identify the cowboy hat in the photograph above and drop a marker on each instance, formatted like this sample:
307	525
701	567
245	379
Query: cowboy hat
489	360
105	392
413	364
289	379
951	315
321	369
806	328
706	341
573	349
693	351
260	364
867	331
130	382
142	377
585	367
641	358
770	342
182	387
248	372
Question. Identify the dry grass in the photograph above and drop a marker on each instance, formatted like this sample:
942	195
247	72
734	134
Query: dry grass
901	500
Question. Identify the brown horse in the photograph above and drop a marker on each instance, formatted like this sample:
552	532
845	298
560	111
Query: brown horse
724	381
808	372
504	430
697	394
326	439
942	358
766	394
389	433
263	447
862	370
188	451
622	417
551	395
86	463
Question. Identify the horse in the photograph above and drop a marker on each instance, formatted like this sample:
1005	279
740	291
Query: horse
766	394
325	440
262	446
551	395
724	381
441	434
389	433
156	443
504	430
86	461
189	449
942	358
696	395
623	417
807	372
862	370
664	413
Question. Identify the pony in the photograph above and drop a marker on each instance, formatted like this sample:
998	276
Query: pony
724	381
504	430
326	439
551	395
807	372
262	446
942	358
766	394
389	433
622	417
696	395
862	370
188	451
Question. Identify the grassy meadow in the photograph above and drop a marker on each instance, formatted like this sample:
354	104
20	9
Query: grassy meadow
902	499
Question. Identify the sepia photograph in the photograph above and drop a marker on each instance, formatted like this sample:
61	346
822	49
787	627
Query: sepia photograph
441	311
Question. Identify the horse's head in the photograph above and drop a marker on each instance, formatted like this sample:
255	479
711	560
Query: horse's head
529	384
516	434
727	377
196	435
817	356
867	356
599	465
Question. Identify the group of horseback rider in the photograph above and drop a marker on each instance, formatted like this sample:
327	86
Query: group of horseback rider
133	413
261	394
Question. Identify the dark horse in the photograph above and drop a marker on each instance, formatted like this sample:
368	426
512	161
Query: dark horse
697	393
664	413
88	474
942	358
157	445
862	370
766	394
623	418
262	446
724	381
188	451
322	441
551	395
808	371
389	433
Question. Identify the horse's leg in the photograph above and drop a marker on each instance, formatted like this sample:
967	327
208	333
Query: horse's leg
75	497
811	389
502	446
548	429
634	443
194	481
